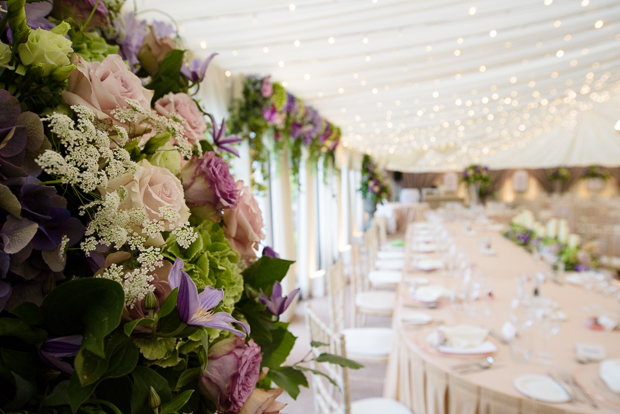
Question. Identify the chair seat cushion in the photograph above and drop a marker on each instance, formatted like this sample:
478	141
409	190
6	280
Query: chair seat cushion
390	255
385	277
372	342
378	405
392	264
376	300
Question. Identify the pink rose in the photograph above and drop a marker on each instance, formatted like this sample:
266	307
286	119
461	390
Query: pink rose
231	374
153	188
104	86
154	50
266	88
263	402
244	223
209	187
186	107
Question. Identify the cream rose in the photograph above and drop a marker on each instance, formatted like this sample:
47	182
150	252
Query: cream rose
104	86
183	105
153	188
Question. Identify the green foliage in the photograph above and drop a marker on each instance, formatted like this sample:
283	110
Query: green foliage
375	184
168	78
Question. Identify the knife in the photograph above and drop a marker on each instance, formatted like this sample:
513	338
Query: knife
569	390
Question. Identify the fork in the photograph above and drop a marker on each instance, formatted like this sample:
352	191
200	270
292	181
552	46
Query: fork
570	380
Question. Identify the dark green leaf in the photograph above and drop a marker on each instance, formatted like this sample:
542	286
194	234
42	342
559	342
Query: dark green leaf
133	148
18	329
155	142
123	361
169	303
130	326
260	328
188	376
168	77
317	372
26	364
24	391
338	360
206	146
93	306
177	403
290	379
91	368
29	313
275	353
117	391
155	348
264	272
77	393
58	395
316	344
143	379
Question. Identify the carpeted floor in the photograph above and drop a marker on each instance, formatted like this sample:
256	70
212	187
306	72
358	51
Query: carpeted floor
365	383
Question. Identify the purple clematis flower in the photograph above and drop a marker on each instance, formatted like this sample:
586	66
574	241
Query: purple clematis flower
131	35
55	348
269	252
197	309
196	69
277	304
220	139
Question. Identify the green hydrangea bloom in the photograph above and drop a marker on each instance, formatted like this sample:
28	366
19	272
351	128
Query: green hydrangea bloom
210	261
91	46
279	96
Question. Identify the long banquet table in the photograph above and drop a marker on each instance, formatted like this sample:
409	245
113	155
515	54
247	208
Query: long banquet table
422	379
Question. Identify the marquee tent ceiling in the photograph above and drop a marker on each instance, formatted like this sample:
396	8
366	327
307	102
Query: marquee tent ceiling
434	85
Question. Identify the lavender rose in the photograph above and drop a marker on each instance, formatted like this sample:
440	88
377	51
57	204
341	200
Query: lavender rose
244	223
231	374
209	186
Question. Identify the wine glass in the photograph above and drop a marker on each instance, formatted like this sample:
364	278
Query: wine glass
548	326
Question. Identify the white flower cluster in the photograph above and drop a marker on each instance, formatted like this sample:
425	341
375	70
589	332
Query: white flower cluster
136	283
135	114
89	162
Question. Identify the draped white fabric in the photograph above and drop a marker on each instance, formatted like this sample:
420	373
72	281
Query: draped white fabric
433	85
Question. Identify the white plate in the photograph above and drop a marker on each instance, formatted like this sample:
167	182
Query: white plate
487	347
541	388
428	264
415	318
416	280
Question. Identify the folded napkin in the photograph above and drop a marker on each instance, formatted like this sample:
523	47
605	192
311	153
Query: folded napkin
609	371
574	278
461	336
398	243
430	293
607	323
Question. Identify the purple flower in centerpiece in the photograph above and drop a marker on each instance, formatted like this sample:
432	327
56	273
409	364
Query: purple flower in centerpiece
291	103
477	169
81	10
272	115
197	309
196	69
131	33
581	268
220	138
269	252
266	88
62	347
277	304
523	238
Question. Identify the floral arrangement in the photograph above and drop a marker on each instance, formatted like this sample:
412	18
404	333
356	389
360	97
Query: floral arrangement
476	174
526	232
272	120
129	280
375	184
561	174
595	171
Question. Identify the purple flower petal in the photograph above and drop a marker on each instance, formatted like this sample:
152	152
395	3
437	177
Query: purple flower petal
210	297
221	320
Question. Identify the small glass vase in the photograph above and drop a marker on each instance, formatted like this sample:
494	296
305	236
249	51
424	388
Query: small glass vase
557	188
474	194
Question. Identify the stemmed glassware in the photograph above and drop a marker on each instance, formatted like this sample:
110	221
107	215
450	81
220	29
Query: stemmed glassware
548	326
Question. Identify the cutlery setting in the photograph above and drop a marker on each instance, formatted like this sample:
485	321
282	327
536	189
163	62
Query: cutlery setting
576	392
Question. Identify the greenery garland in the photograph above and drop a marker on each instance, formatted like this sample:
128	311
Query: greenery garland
375	183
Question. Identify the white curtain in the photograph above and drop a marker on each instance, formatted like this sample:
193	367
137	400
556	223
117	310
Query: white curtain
306	246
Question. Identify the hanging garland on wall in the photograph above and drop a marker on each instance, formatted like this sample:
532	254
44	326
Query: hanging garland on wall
375	183
273	120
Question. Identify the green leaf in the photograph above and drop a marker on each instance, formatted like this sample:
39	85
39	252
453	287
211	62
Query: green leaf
17	233
177	403
29	313
290	379
317	372
25	364
169	303
155	348
8	202
93	306
168	77
58	395
188	376
91	368
260	328
123	361
316	344
264	272
76	393
206	146
19	329
143	379
275	353
16	15
117	391
338	360
156	142
24	391
130	326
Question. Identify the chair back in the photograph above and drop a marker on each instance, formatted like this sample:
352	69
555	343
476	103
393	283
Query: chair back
336	291
327	398
409	195
358	283
380	228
